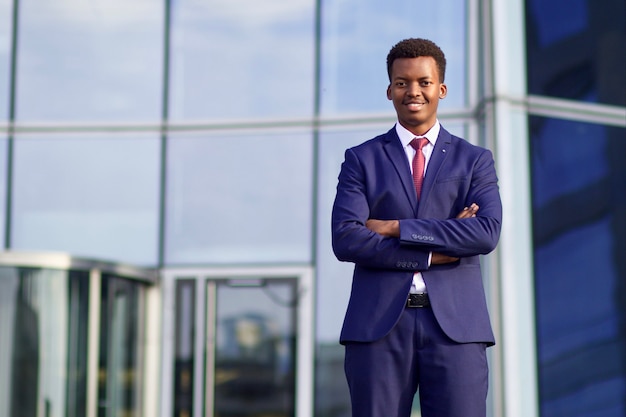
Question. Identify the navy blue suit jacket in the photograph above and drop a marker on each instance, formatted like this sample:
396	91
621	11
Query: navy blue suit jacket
375	182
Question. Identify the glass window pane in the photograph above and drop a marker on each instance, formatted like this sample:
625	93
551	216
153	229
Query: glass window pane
99	60
120	369
3	187
43	351
6	35
88	195
354	70
587	39
241	59
237	198
579	245
185	331
255	349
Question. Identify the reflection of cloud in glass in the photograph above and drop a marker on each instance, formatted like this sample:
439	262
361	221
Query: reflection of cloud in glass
236	198
357	38
90	61
5	54
242	59
79	194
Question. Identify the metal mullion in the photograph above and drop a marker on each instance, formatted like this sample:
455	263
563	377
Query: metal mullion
11	132
209	342
164	132
93	340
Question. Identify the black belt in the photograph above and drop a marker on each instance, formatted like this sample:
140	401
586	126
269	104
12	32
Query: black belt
417	300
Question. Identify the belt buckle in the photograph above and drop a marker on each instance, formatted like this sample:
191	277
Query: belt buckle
419	300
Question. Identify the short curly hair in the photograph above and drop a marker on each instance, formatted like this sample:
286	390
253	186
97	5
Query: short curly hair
416	47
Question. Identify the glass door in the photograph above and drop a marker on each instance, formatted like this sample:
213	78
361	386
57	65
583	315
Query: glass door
241	344
253	324
118	381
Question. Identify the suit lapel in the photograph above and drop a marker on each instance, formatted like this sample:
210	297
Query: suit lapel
398	158
437	159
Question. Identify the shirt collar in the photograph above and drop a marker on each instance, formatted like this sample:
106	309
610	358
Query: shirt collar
406	137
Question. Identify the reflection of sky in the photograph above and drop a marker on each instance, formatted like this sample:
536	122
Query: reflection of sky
567	156
358	35
242	59
86	193
6	14
90	61
236	198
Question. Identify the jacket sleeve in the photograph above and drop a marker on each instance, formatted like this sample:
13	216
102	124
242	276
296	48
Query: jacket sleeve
463	237
352	241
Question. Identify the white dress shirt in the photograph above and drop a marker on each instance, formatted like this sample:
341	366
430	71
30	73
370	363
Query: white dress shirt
418	285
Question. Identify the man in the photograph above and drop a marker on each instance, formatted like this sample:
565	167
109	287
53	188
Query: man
417	315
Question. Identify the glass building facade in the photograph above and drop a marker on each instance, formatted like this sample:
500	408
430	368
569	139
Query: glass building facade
201	141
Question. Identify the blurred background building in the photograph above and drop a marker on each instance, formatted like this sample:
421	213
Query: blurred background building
167	170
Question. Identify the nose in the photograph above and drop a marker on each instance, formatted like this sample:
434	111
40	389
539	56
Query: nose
414	90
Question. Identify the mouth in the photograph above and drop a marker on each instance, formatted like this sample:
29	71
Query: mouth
415	105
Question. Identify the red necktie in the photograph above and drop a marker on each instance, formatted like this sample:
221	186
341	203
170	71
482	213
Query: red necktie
418	163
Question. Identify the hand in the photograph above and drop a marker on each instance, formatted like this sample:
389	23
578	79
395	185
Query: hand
387	228
440	259
466	213
391	228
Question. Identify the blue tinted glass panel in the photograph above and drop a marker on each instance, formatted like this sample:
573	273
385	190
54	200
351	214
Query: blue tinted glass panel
99	60
93	196
242	59
239	198
575	49
357	36
579	201
6	27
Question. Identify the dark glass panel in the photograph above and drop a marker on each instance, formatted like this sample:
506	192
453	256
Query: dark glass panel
184	348
357	35
90	61
43	350
255	349
120	370
575	49
579	232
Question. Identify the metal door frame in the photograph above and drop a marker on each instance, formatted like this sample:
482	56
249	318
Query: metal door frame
304	331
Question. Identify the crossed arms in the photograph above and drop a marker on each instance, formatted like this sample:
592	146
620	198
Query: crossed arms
391	228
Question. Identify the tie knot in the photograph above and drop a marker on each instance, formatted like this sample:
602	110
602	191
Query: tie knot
419	143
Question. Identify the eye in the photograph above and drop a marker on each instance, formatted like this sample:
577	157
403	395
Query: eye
426	83
400	83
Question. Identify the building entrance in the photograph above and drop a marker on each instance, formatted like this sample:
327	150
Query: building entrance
237	343
73	335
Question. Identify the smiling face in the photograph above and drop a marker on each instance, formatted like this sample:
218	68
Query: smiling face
415	91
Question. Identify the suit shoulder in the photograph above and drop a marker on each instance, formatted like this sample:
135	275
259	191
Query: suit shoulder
468	147
373	143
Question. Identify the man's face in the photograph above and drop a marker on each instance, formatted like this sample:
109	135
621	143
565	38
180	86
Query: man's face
415	90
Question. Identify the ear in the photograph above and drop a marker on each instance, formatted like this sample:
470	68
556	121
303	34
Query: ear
443	90
389	92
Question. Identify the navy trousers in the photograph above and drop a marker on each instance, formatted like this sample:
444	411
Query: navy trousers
383	376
